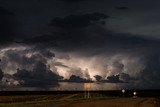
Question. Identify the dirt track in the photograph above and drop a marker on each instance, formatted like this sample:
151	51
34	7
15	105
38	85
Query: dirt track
118	102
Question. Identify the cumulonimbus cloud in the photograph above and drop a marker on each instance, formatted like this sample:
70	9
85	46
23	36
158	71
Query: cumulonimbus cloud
90	49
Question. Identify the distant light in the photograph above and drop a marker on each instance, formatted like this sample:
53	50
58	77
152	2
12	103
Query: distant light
87	86
135	93
123	91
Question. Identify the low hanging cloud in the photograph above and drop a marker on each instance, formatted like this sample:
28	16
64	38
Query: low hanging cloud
23	58
40	76
119	78
77	79
77	71
29	65
113	79
98	77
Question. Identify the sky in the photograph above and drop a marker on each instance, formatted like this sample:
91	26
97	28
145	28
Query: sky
45	42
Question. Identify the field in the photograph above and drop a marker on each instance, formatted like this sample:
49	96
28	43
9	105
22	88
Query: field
73	99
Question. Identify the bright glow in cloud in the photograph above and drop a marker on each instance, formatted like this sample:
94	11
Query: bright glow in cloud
101	65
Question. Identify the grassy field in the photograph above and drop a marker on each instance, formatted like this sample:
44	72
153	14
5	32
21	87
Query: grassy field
75	100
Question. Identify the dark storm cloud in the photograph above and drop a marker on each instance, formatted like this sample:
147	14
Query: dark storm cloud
19	58
89	36
60	64
30	65
23	58
73	0
4	11
122	7
151	72
1	74
79	29
125	77
6	26
64	56
10	80
40	76
78	21
84	31
98	77
113	79
118	67
92	39
77	79
119	78
95	39
69	31
47	53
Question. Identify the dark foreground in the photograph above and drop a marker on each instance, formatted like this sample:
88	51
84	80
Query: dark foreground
145	98
112	93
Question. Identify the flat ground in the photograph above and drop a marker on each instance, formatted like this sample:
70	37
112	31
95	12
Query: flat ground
118	102
76	100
